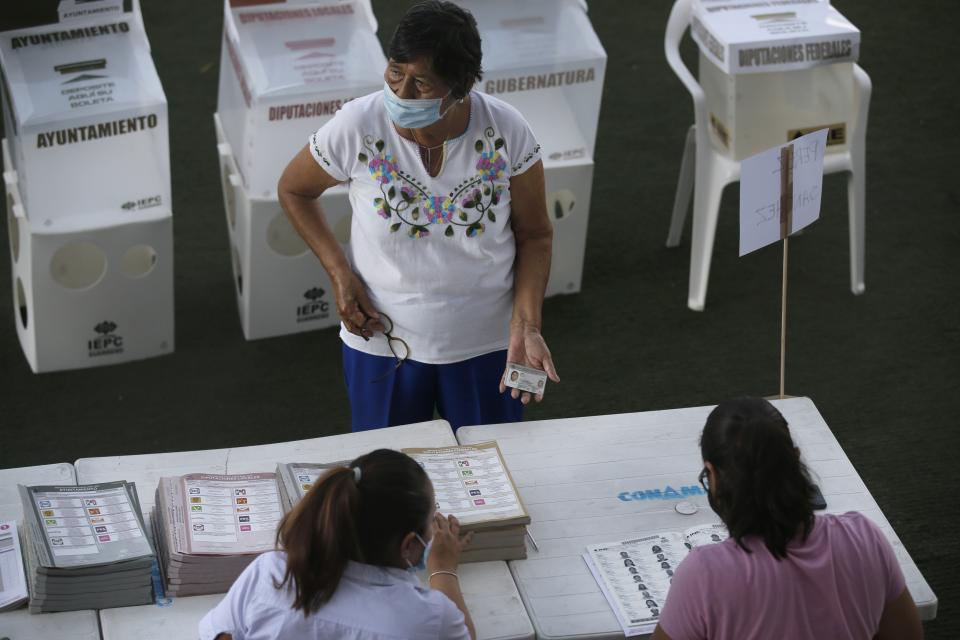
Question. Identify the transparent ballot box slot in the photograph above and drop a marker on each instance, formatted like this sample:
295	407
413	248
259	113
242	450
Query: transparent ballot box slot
285	69
84	111
544	58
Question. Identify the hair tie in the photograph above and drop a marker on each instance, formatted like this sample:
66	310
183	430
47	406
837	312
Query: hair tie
356	474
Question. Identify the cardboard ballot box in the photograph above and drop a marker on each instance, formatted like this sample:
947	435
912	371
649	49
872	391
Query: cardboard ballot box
568	188
285	69
544	58
90	290
86	119
771	72
280	285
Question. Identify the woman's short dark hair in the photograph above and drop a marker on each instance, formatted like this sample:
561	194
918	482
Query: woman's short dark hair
763	488
341	519
447	36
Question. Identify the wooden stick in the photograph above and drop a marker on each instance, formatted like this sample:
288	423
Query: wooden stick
786	223
783	318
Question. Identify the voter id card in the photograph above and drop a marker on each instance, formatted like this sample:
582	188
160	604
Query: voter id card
525	378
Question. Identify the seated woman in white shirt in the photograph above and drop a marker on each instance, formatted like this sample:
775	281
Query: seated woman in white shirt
346	564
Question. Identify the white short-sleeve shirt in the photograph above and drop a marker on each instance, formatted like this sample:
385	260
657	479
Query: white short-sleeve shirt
436	253
370	603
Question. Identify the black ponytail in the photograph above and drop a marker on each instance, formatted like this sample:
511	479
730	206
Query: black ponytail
763	488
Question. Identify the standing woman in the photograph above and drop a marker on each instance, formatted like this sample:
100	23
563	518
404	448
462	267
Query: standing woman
784	572
449	255
346	563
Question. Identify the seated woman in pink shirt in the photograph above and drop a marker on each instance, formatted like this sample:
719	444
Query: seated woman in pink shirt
784	573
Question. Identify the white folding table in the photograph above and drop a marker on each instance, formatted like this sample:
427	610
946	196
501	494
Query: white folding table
604	478
488	587
21	624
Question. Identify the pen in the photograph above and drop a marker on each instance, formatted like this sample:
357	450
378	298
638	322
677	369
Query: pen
532	541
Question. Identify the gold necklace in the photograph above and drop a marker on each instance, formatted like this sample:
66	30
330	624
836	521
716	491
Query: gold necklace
443	151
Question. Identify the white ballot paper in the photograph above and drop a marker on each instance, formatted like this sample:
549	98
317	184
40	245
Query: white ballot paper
472	483
230	514
635	575
13	579
760	188
294	479
86	525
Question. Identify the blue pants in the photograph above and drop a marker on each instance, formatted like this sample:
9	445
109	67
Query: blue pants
463	393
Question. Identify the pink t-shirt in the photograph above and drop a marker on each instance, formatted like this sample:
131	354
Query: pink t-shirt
835	584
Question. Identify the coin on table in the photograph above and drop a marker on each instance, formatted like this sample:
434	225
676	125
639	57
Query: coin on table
686	508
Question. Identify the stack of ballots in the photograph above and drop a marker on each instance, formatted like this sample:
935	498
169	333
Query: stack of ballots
209	527
474	484
295	479
86	547
469	482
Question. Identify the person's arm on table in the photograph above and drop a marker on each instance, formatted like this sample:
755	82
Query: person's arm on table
443	561
300	186
533	234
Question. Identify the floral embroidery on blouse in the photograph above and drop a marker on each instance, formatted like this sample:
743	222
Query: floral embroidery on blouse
526	158
406	203
316	149
383	168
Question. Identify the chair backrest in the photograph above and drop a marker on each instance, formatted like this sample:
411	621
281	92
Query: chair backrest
677	25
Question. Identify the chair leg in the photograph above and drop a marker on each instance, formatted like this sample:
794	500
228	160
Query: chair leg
856	202
707	193
681	201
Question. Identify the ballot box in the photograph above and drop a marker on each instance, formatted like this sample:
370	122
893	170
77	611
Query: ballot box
280	285
285	69
87	178
92	289
568	186
771	74
544	58
85	118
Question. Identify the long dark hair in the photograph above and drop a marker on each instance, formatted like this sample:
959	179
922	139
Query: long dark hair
343	519
763	487
447	35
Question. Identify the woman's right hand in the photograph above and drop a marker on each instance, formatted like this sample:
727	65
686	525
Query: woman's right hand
447	544
354	306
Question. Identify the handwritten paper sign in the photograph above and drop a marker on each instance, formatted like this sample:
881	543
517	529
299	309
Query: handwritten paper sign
761	185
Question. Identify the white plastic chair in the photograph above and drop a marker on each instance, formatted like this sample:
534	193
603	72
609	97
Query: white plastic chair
713	170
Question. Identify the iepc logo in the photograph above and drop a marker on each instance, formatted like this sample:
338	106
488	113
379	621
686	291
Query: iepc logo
107	341
316	309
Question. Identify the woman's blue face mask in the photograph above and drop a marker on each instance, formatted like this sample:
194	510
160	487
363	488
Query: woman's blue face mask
420	566
410	113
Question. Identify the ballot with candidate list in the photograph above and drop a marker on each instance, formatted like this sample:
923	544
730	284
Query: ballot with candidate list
294	479
13	580
472	482
85	547
209	527
635	574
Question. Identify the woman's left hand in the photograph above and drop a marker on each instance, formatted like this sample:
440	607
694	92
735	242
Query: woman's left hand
528	348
